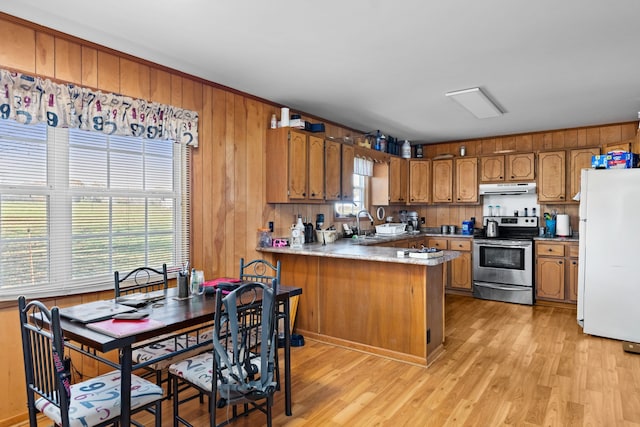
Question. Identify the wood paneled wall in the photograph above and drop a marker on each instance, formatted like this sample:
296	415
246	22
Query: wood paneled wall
228	169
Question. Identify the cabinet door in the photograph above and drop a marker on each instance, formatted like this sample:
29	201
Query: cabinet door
573	280
615	146
316	168
460	268
419	181
346	174
578	160
442	181
397	180
442	244
332	159
492	169
521	167
460	275
466	182
550	278
551	176
297	165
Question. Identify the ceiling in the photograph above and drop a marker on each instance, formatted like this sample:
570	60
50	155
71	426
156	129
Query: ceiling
375	64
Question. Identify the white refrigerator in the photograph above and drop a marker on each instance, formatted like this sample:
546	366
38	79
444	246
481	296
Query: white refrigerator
609	258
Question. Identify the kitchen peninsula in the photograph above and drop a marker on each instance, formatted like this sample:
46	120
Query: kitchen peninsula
368	298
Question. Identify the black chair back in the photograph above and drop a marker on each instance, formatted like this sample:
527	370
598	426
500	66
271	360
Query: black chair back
46	370
245	346
259	270
143	279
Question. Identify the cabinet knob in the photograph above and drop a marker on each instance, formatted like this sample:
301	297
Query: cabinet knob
559	262
550	250
574	262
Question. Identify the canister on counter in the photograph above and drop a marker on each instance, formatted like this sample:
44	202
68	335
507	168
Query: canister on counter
467	228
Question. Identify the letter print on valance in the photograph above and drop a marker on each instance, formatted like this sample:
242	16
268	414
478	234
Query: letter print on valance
30	100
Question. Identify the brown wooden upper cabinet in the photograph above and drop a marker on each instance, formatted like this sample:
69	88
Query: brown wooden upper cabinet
466	180
295	166
442	181
419	181
333	170
346	175
554	183
551	176
579	158
397	180
622	146
509	167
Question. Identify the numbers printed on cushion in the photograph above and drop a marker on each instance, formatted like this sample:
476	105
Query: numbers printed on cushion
98	399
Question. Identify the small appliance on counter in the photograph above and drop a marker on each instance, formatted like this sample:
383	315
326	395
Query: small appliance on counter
563	227
412	221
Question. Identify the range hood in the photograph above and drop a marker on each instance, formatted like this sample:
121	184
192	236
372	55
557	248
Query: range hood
508	188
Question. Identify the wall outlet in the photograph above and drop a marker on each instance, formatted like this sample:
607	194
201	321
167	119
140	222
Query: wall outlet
271	226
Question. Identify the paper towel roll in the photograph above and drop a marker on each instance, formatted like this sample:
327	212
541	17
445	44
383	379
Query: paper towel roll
284	117
563	228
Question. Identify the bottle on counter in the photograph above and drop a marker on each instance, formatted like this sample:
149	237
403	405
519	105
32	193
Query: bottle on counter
297	234
274	121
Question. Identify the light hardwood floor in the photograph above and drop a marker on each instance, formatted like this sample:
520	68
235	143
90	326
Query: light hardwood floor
504	364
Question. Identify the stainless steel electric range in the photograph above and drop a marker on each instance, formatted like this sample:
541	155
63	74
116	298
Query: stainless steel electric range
503	268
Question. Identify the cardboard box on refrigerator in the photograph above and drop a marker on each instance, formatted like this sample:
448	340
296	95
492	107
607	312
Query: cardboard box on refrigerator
615	160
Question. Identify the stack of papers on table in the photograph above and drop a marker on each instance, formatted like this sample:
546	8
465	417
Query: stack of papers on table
94	311
141	299
123	328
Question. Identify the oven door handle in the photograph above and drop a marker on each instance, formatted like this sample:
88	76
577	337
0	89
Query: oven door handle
502	287
505	245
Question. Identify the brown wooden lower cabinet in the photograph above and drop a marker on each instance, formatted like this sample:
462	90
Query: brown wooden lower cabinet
458	274
386	308
556	271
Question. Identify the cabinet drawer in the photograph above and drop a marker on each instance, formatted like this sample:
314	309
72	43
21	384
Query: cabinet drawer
460	245
573	251
438	243
550	249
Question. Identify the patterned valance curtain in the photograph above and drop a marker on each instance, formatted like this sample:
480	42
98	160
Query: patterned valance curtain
30	100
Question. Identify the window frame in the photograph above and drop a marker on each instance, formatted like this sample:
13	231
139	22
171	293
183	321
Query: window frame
60	196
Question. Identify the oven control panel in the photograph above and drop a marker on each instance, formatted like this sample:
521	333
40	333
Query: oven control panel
513	221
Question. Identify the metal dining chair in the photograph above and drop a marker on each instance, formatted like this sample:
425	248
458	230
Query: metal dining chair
260	270
92	402
241	368
141	279
144	280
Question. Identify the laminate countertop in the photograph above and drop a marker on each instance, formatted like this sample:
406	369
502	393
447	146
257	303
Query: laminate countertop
347	249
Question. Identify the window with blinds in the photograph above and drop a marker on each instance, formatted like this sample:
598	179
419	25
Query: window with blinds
75	206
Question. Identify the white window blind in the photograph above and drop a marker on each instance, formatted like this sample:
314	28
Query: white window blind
75	206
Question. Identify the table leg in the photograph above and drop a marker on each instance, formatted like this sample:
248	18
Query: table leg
287	358
125	384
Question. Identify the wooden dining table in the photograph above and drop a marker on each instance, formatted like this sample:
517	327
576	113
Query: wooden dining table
181	316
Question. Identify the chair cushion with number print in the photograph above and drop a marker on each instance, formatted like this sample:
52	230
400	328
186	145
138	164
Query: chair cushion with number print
198	370
172	344
98	399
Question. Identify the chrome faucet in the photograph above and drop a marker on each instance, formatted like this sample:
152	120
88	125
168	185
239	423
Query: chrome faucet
358	218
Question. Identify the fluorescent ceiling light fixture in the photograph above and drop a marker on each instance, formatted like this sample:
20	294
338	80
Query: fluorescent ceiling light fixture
476	102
